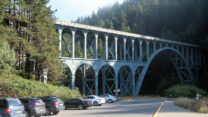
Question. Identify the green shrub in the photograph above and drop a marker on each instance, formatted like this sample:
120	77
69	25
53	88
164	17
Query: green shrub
184	91
15	86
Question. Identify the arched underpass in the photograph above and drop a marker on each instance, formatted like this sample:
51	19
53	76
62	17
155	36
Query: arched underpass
161	75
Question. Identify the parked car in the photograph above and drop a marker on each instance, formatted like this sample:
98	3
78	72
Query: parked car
33	106
11	107
109	98
96	100
76	103
52	104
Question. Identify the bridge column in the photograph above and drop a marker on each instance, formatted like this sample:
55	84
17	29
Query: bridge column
124	48
133	82
154	46
192	56
195	62
96	47
73	81
182	50
116	48
60	30
106	47
140	51
73	43
160	45
96	82
85	45
132	58
147	42
116	82
187	54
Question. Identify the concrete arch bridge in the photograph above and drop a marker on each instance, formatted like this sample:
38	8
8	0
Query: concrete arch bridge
101	60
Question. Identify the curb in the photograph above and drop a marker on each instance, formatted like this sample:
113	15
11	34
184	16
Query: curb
158	110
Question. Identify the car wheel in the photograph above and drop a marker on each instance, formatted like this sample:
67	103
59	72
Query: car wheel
95	103
110	101
48	112
56	112
80	107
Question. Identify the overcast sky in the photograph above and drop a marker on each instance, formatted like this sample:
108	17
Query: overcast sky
70	10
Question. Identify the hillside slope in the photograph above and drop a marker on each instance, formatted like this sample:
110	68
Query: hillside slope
15	86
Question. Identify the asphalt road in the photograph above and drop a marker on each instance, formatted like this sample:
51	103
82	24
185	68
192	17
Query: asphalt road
130	108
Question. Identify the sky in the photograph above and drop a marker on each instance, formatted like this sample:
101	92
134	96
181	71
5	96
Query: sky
70	10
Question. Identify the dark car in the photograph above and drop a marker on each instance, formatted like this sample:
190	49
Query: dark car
52	104
11	107
77	103
33	106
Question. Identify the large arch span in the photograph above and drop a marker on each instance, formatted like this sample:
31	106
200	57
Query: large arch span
176	64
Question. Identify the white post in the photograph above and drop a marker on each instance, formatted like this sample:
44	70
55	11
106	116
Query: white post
132	58
116	48
60	30
73	43
124	48
96	47
106	47
147	42
85	45
140	51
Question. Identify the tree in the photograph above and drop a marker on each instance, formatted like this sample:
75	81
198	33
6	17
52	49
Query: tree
44	39
7	56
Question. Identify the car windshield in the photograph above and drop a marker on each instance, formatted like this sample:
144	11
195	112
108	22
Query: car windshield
14	102
38	101
56	100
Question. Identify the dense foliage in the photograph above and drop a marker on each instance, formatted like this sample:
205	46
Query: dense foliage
182	20
15	86
184	91
28	26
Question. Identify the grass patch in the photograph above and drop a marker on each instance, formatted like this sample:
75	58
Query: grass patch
190	103
15	86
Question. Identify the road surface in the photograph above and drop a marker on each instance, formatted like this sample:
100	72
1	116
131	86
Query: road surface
128	108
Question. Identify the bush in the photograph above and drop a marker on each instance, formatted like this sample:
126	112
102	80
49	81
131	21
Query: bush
198	106
202	105
15	86
184	91
185	102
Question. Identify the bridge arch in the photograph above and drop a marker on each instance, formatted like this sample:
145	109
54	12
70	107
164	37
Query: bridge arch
85	79
144	70
106	79
125	77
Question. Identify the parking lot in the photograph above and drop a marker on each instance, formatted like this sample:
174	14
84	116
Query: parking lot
128	108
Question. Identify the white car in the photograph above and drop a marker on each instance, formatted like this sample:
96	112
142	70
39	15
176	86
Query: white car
109	98
96	100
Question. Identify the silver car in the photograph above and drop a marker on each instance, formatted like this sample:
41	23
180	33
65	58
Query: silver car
96	100
109	98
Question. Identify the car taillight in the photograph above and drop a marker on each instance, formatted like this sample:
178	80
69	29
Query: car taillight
35	104
88	102
7	111
55	103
